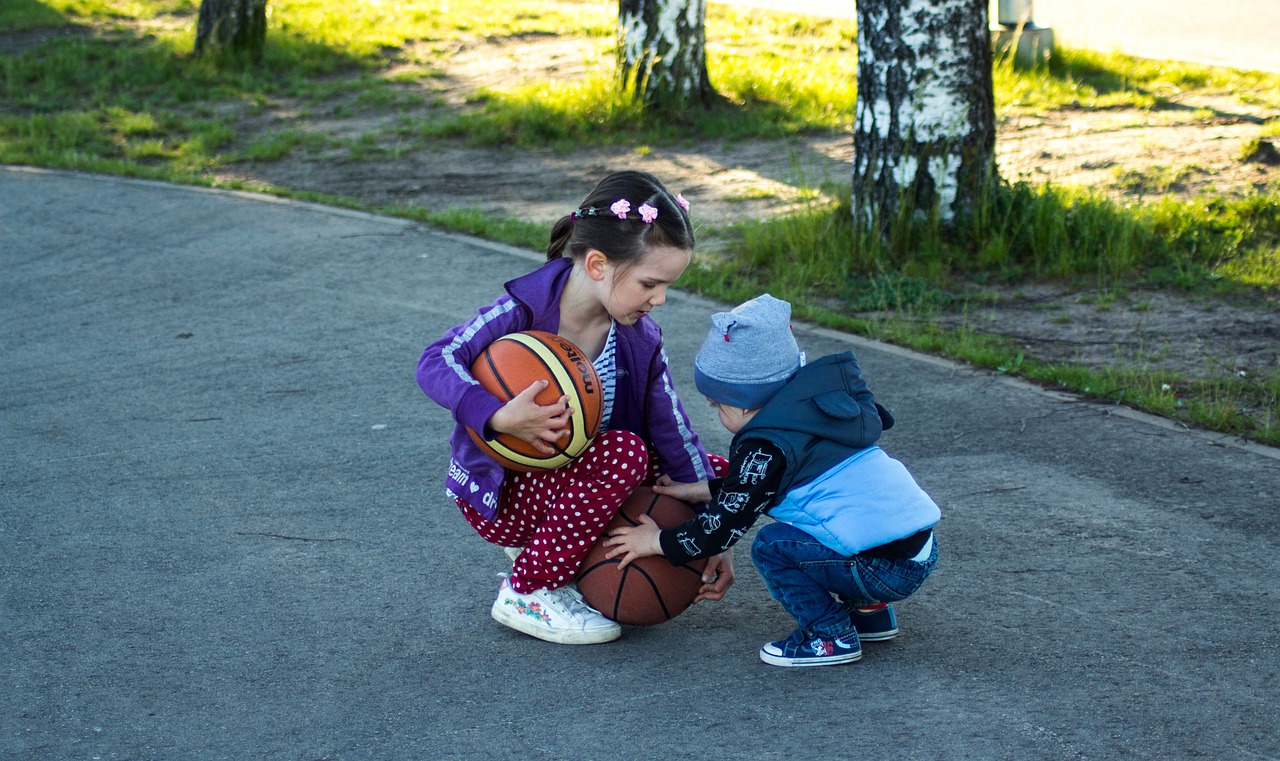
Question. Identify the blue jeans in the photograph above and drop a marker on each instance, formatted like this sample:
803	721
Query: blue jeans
803	575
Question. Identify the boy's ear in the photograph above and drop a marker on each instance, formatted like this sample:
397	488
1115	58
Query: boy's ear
594	264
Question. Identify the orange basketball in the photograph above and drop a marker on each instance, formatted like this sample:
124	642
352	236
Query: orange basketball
649	590
511	364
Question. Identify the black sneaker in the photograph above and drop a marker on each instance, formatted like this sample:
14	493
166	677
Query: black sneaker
801	650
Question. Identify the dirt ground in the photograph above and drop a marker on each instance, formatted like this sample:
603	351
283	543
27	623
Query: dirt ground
1192	149
1198	336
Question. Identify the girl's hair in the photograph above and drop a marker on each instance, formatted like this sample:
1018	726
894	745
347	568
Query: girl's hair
596	224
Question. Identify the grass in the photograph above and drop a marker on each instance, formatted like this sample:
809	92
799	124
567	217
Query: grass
828	270
1086	79
116	90
24	15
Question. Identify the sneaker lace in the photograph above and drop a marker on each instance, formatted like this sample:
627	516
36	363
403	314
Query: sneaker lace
572	602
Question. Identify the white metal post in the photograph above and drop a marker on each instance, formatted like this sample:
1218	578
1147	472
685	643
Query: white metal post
1017	30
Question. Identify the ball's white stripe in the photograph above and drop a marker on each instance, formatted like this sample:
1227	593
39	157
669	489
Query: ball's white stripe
578	439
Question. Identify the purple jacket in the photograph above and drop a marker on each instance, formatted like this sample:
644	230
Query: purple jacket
645	400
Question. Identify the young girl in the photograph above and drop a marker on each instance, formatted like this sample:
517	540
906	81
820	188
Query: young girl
609	264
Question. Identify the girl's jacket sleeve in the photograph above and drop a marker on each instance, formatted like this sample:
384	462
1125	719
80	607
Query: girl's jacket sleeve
444	372
678	446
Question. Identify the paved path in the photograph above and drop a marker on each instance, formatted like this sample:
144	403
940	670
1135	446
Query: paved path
1243	34
222	532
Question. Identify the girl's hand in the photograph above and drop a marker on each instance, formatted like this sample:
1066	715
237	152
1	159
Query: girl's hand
634	542
699	491
533	423
717	578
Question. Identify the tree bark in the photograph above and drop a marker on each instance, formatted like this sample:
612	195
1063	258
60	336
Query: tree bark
924	138
238	27
662	52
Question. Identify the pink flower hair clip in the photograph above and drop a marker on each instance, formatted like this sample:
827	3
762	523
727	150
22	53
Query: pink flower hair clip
620	209
684	202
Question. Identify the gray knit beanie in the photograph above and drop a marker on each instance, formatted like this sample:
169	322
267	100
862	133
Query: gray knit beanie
749	354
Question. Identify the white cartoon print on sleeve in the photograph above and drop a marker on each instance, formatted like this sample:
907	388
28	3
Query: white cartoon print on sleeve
754	467
733	501
690	546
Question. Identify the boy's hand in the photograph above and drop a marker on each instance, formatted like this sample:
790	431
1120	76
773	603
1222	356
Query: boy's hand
632	542
533	423
717	578
699	491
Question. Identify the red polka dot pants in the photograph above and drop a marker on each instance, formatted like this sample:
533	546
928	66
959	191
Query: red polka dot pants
559	515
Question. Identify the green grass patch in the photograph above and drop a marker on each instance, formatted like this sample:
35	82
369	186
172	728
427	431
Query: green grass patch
276	145
774	80
1075	78
1231	403
559	114
1023	231
513	232
837	276
368	30
24	15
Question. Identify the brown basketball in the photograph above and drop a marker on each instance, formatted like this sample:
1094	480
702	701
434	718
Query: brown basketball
510	364
649	590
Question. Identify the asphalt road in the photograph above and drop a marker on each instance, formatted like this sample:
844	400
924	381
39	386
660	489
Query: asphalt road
223	533
1243	34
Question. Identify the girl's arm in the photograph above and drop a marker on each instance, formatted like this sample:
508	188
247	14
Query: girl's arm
444	371
679	449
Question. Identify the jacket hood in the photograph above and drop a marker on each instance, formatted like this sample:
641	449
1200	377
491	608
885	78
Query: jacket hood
827	399
541	297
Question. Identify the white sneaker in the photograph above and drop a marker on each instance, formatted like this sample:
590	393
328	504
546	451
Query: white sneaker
555	615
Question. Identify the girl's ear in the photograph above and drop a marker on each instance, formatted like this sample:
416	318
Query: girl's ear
595	264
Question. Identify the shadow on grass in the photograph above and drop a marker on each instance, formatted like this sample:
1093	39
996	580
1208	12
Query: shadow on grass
26	15
121	66
124	100
1117	80
596	111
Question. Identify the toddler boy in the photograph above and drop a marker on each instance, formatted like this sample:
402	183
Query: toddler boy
853	530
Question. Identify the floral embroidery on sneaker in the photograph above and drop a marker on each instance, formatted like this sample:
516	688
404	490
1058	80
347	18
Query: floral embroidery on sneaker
532	610
555	615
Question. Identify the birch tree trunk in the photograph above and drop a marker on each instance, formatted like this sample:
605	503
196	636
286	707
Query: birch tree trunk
233	26
925	132
662	52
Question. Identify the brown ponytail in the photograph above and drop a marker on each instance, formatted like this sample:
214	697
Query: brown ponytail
560	234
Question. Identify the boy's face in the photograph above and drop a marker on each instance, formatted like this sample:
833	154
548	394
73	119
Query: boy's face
732	418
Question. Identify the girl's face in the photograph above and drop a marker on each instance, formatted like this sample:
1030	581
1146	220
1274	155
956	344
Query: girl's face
631	293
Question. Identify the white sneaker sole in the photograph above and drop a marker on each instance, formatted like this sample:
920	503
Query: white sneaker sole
830	660
526	625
